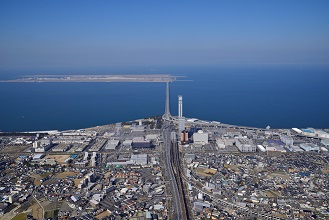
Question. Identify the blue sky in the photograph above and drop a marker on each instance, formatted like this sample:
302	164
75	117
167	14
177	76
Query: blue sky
71	34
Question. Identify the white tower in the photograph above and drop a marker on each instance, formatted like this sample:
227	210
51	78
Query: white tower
181	120
180	106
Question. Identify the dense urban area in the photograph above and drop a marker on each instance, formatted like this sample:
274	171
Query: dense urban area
118	171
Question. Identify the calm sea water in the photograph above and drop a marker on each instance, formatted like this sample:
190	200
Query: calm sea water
279	96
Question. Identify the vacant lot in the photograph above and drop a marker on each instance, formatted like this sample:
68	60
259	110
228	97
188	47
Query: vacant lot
103	214
58	158
200	172
13	149
38	177
36	211
65	174
21	216
77	181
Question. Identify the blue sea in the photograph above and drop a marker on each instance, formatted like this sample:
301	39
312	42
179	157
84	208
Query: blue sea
282	96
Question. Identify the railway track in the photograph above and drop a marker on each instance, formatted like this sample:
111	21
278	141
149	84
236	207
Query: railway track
177	173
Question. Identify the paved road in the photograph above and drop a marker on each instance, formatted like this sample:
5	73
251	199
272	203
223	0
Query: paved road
177	205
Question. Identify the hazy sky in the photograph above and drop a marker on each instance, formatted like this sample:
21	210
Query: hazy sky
68	34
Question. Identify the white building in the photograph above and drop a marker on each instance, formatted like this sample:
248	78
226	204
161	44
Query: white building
127	143
38	156
245	145
189	156
287	140
111	144
322	134
294	148
13	197
42	145
309	147
152	137
181	124
325	142
140	159
220	143
229	141
261	148
200	137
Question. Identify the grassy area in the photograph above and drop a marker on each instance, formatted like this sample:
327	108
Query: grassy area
58	158
37	179
270	194
200	172
14	180
36	211
44	175
51	214
77	182
13	149
8	171
21	216
65	174
235	168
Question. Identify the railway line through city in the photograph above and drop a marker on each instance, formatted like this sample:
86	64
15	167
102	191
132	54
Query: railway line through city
178	200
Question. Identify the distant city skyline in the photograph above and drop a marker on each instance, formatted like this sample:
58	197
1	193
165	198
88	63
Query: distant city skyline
41	35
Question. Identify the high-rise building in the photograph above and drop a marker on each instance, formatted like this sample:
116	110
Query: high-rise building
180	106
181	119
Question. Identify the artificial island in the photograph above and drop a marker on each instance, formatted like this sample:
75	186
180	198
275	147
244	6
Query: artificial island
163	167
96	78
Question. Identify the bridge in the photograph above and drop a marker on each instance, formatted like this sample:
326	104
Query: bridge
96	78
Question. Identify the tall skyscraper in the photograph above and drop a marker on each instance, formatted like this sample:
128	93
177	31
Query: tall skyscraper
180	106
181	119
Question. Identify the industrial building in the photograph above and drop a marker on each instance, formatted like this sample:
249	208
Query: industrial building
220	143
287	140
140	142
140	159
325	142
190	156
261	148
42	145
127	143
319	133
111	144
308	132
61	148
294	148
152	137
245	145
200	137
309	147
37	156
184	136
274	145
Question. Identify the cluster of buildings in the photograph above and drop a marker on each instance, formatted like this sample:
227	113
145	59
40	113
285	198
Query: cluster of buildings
257	173
111	172
117	172
288	186
252	140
